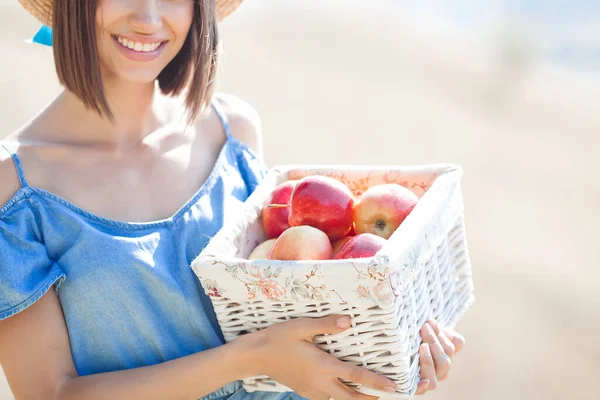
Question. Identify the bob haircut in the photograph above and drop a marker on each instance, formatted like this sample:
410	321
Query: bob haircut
77	61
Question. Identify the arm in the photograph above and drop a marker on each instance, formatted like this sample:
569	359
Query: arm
41	366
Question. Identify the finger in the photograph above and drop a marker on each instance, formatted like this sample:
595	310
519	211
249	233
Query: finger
434	325
457	339
441	360
307	328
362	376
446	343
427	366
422	387
341	391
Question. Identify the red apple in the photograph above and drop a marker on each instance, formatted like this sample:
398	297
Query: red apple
301	243
261	252
360	246
382	208
324	203
337	244
276	209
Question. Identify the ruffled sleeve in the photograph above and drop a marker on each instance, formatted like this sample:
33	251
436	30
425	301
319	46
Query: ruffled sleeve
26	271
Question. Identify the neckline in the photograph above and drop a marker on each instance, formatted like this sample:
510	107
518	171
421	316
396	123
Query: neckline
165	222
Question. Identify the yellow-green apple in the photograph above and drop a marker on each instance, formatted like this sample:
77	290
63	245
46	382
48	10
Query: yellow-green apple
324	203
276	209
261	252
301	243
338	243
360	246
382	208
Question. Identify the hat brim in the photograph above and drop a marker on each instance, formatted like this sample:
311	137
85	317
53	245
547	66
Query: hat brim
42	9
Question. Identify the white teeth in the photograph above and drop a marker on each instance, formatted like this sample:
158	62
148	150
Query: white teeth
137	46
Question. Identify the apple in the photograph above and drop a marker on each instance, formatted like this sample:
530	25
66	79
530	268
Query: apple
261	252
382	208
276	209
360	246
301	243
323	203
338	243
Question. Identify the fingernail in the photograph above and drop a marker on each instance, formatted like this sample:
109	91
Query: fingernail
390	389
425	382
343	322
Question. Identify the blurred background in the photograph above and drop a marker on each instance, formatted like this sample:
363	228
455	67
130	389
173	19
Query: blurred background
507	89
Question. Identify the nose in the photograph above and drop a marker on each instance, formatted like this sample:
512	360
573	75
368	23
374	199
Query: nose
146	17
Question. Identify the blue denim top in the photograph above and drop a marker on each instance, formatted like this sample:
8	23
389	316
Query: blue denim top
127	291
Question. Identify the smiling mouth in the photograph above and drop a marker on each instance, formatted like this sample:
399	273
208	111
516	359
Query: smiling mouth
139	47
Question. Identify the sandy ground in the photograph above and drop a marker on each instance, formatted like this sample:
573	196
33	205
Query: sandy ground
361	88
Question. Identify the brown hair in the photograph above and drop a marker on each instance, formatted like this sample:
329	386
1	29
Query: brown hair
77	61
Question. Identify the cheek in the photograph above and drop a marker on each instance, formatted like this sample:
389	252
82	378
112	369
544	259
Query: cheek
108	11
181	20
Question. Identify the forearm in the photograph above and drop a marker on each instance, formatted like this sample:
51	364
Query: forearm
190	377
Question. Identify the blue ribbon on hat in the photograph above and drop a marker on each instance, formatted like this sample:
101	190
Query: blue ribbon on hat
43	36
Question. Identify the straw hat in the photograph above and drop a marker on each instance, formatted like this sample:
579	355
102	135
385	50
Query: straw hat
42	9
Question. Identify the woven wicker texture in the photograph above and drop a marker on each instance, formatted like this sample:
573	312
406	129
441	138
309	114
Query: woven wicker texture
42	9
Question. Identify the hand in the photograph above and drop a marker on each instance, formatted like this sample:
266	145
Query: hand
435	354
286	353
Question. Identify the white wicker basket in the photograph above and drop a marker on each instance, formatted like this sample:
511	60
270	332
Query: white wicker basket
423	271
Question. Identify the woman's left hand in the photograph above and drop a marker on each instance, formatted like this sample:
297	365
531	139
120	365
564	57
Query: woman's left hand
435	354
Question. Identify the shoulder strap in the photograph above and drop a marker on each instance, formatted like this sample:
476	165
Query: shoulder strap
18	165
221	114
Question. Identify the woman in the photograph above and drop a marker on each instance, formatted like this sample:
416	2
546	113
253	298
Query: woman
107	196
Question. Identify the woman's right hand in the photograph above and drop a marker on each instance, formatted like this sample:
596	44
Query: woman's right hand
286	353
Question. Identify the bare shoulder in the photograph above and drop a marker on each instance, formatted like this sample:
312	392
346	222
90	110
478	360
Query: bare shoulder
244	120
8	175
